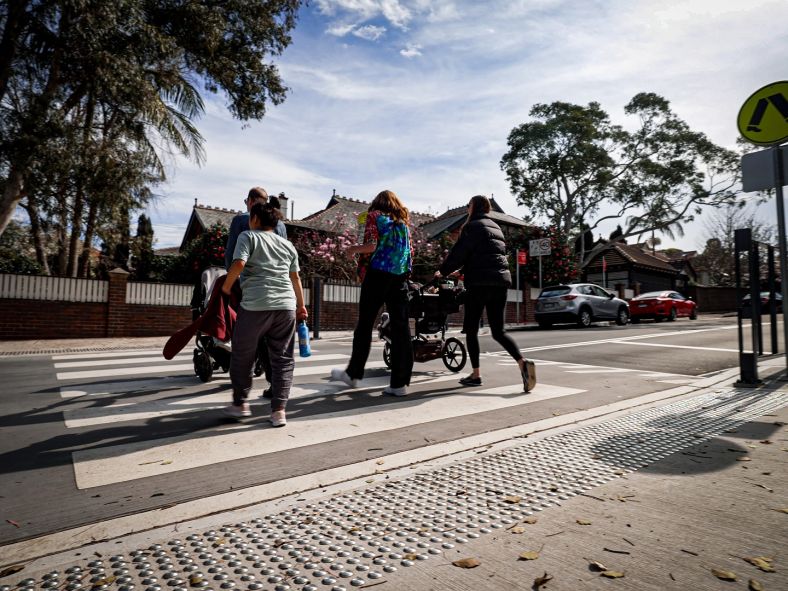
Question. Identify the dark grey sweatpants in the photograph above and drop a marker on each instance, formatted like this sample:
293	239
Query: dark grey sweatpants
278	328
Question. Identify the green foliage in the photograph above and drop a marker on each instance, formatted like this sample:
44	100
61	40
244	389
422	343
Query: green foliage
94	95
16	253
207	250
142	250
559	267
571	161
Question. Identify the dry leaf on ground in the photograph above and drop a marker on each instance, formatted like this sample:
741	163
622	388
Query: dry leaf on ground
744	459
781	510
583	522
380	462
530	555
514	499
103	582
724	575
533	520
517	530
466	563
596	566
761	562
754	585
611	574
11	570
541	581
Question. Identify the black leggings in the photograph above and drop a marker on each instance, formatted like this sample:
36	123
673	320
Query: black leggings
494	299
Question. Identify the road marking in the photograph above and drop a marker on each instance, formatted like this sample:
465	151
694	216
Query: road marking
128	371
181	357
183	402
684	347
121	463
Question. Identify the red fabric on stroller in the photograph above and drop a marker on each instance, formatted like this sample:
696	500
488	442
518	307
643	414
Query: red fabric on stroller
218	320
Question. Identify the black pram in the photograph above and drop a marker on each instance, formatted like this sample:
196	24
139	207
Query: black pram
430	306
209	353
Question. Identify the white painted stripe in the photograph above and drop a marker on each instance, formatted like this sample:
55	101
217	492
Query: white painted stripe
141	386
97	355
125	371
601	370
107	465
120	361
150	409
127	353
684	347
160	359
129	371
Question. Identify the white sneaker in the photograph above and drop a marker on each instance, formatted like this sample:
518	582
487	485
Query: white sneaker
238	412
278	418
401	391
340	375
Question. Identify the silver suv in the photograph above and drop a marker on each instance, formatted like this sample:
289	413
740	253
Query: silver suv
580	303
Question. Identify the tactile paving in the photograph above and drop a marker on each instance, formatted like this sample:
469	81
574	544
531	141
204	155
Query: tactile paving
361	537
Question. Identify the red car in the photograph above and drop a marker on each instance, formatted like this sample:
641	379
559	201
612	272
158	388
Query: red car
661	305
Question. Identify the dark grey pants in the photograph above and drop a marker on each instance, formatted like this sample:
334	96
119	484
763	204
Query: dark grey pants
278	328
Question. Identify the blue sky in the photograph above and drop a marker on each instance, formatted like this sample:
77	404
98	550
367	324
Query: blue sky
419	96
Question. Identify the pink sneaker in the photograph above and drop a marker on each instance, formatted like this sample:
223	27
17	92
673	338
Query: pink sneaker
278	418
238	412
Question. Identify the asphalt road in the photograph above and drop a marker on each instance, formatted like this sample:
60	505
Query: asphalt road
87	437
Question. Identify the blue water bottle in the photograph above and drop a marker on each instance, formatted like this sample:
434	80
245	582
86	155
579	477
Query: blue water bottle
303	340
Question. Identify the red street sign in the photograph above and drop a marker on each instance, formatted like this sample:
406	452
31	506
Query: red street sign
521	257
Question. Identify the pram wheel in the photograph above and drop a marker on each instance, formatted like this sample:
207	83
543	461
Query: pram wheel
387	354
454	355
203	366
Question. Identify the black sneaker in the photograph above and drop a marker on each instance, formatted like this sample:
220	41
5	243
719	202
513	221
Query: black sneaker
471	381
268	393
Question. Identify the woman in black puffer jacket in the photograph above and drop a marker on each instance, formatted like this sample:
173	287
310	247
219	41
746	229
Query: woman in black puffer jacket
480	254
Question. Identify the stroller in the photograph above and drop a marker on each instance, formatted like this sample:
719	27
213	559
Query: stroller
209	354
430	305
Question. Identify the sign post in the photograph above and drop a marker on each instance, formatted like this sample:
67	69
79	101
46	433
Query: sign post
763	120
521	260
539	248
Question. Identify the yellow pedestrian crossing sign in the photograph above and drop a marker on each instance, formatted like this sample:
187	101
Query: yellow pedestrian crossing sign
763	118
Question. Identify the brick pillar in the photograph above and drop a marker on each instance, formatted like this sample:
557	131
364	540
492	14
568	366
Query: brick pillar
118	311
620	287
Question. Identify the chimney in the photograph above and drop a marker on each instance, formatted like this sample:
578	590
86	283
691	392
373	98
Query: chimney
283	203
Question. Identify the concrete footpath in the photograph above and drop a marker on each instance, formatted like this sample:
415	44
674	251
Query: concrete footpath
685	492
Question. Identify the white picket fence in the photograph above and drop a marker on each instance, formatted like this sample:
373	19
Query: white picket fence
158	294
63	289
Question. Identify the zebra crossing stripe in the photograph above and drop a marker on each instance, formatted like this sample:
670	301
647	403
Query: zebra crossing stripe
122	463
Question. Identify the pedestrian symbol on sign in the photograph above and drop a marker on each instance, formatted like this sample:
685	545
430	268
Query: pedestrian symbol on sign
763	118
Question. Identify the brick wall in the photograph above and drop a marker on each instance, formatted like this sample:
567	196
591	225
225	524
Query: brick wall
42	319
27	319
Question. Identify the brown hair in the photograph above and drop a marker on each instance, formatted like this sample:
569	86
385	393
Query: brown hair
478	204
266	214
257	193
388	202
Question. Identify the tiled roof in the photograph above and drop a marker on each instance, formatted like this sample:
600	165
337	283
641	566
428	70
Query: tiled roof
447	224
617	253
341	213
463	210
208	216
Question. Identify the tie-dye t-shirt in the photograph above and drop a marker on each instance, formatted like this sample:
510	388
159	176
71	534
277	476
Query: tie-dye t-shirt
393	252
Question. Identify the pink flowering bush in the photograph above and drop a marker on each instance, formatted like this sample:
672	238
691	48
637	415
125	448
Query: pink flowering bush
559	267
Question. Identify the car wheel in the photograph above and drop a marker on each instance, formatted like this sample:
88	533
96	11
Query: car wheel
634	320
672	315
584	318
622	317
694	314
545	324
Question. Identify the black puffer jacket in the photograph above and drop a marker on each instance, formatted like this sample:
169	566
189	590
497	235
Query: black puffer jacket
480	252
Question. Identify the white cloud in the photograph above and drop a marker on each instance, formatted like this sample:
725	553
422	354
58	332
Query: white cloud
370	32
360	118
411	51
